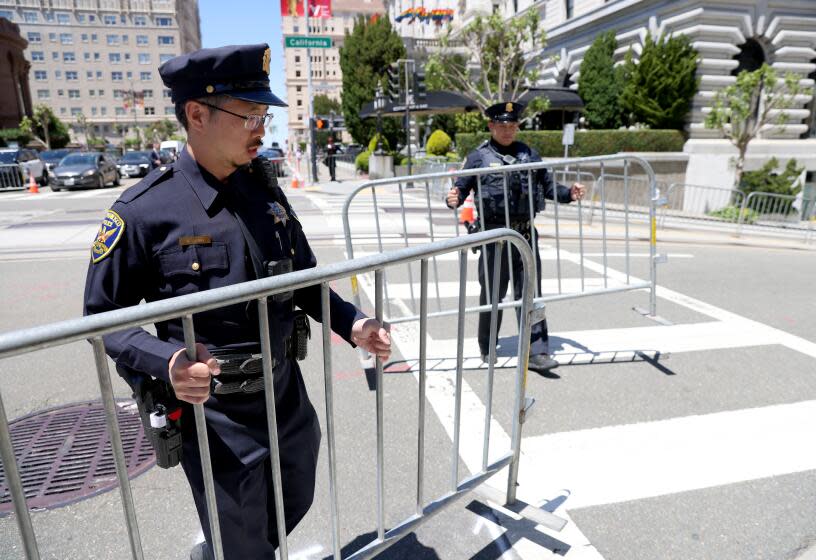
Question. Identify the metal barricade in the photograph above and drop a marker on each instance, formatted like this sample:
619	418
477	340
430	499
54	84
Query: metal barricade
94	327
683	202
440	221
762	210
11	176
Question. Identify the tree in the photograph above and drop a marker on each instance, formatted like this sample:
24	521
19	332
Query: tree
160	130
757	100
766	179
46	127
366	53
496	69
601	83
659	88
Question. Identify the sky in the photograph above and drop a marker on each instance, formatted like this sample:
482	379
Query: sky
244	22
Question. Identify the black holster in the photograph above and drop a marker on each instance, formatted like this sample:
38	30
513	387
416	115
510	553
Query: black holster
301	333
161	413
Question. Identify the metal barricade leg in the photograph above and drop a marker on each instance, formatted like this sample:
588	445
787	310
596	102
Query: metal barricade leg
460	349
494	313
378	306
423	355
330	435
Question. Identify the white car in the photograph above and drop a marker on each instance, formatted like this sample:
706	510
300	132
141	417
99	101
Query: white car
29	162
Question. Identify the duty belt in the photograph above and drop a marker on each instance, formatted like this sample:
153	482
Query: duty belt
240	373
518	225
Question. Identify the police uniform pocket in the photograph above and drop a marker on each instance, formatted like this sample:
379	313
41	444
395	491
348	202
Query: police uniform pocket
185	268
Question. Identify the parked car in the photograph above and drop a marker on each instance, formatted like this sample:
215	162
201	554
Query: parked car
53	157
275	155
172	146
12	175
166	156
135	164
85	169
28	160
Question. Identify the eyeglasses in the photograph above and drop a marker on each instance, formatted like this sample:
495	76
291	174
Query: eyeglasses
251	122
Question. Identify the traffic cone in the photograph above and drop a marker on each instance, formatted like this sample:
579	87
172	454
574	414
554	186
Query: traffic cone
294	183
32	185
467	213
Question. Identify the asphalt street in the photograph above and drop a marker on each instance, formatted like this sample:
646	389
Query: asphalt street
684	438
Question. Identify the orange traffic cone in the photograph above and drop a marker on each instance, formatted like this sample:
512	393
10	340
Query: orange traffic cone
295	182
32	185
467	213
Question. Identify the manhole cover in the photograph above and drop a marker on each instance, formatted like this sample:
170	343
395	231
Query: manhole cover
64	454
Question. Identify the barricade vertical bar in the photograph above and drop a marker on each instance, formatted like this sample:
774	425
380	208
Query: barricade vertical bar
272	426
653	245
433	238
580	239
460	350
626	212
484	228
507	224
557	230
603	225
405	237
494	315
532	240
204	447
423	355
378	312
379	241
106	390
15	486
329	389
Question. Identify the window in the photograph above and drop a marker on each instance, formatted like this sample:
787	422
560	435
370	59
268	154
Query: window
109	19
73	94
125	39
114	58
96	57
150	110
64	19
76	111
99	74
127	57
144	58
166	40
94	38
569	5
91	18
167	94
299	102
141	40
67	38
52	37
100	93
164	58
87	56
140	21
84	37
145	76
55	55
58	74
297	73
116	76
60	93
92	92
170	110
81	18
120	111
8	14
43	93
129	75
118	94
89	74
72	75
34	37
148	93
37	56
68	56
104	111
298	88
112	39
62	110
164	21
93	111
297	59
31	17
40	75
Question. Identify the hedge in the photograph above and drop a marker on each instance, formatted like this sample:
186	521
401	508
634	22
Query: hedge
587	142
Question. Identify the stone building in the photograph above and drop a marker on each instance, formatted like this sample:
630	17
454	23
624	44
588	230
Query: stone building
15	97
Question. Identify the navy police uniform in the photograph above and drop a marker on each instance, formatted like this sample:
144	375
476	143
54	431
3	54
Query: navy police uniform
493	154
179	231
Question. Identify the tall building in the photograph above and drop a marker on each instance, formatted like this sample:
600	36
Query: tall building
99	59
327	78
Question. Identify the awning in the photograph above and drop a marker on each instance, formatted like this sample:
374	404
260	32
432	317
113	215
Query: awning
435	103
561	98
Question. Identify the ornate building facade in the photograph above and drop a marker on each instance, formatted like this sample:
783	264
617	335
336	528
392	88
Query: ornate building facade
15	97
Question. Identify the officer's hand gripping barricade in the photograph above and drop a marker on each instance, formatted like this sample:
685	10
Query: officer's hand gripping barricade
161	414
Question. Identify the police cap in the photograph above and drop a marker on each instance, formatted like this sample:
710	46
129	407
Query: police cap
240	71
506	111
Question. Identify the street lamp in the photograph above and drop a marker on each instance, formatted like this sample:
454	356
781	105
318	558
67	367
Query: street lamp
379	104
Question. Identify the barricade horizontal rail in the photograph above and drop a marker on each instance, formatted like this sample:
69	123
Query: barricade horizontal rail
94	327
701	202
433	218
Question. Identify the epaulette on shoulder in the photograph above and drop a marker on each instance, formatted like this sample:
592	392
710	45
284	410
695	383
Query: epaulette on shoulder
484	144
158	175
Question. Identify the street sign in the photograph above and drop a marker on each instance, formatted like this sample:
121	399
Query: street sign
568	139
301	42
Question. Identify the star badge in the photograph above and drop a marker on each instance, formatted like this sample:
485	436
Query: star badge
278	212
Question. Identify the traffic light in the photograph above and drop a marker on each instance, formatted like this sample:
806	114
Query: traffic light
420	91
394	82
320	123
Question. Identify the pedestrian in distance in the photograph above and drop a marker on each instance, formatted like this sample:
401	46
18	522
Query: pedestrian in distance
216	217
503	149
155	159
331	158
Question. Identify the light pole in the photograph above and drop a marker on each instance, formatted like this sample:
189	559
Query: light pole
379	105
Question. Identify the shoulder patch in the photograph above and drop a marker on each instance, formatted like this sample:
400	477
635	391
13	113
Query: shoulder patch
155	177
110	232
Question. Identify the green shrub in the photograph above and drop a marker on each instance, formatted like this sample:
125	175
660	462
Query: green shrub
587	142
731	214
17	135
372	144
438	143
453	157
361	161
766	179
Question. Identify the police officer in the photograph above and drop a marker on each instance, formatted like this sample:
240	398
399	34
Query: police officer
502	149
208	220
